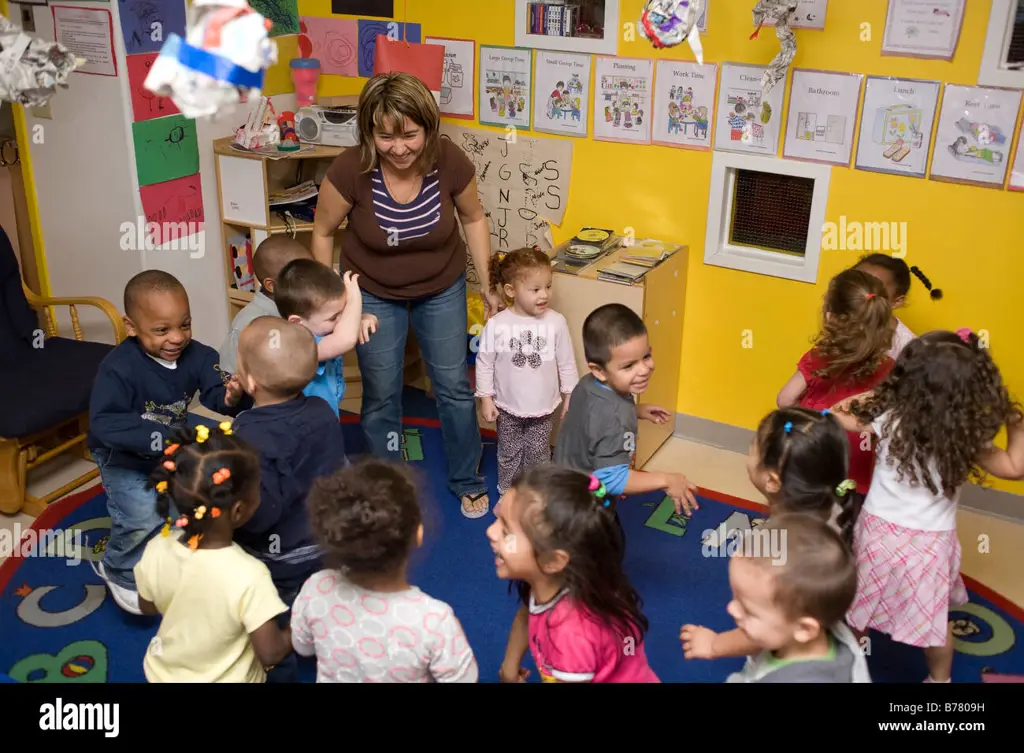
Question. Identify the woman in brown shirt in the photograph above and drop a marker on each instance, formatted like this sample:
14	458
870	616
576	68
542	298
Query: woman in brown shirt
400	191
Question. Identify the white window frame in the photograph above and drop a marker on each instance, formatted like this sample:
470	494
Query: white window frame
719	252
1000	28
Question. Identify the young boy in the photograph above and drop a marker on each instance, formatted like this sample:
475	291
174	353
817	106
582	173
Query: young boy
313	295
599	432
142	391
299	439
269	259
792	582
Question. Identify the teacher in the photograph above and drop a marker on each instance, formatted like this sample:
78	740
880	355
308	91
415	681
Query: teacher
400	191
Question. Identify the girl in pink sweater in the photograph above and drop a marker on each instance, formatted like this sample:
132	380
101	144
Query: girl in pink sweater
525	366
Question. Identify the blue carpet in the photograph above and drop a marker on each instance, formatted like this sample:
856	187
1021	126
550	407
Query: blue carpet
58	623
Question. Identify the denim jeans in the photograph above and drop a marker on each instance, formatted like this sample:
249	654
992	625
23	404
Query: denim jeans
440	324
133	518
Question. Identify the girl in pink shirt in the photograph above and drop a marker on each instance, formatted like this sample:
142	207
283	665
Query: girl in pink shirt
525	366
581	618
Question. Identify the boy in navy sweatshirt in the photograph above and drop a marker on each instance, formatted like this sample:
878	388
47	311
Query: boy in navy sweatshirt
142	391
299	439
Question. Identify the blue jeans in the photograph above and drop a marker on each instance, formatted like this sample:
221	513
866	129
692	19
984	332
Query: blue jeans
133	518
440	323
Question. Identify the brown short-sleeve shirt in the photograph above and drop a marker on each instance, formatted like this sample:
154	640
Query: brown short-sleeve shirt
404	251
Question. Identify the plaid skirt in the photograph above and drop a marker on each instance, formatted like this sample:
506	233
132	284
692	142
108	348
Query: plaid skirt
907	581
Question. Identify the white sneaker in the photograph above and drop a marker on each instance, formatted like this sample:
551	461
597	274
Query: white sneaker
125	598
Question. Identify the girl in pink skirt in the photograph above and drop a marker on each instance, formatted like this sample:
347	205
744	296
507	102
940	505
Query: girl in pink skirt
935	417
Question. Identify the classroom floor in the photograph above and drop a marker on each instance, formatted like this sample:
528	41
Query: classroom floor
997	562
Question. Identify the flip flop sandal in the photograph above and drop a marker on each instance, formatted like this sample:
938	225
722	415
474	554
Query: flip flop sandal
473	498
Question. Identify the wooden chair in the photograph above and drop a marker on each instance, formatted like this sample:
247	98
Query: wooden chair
45	385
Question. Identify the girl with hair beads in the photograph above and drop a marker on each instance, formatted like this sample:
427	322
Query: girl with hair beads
557	536
936	418
798	461
360	617
895	276
849	356
219	603
525	366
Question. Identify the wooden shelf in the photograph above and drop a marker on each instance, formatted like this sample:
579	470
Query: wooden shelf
224	146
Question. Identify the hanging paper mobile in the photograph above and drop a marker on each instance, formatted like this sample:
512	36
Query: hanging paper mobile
32	68
779	11
222	61
668	22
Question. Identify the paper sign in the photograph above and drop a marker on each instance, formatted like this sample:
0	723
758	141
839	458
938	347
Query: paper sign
374	8
146	104
368	31
89	33
283	13
165	149
173	209
146	24
332	41
458	76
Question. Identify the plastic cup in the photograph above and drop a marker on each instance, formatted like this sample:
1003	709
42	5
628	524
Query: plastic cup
305	74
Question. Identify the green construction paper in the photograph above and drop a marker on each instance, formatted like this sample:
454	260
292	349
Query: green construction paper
165	149
283	13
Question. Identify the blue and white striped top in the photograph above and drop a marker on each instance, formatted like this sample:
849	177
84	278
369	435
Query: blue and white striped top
404	222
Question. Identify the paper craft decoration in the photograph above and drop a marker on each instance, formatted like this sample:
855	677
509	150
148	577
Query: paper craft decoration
523	185
146	104
165	149
424	61
372	8
896	125
972	143
506	84
684	104
284	14
222	60
458	98
35	68
147	24
809	14
561	93
175	208
622	99
667	23
393	30
332	41
779	11
822	116
747	120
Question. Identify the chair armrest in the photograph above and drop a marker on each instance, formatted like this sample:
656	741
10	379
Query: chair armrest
43	303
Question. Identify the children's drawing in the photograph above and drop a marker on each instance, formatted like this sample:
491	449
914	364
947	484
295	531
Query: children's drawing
284	14
898	129
748	115
165	149
175	208
368	31
332	41
146	24
830	129
146	104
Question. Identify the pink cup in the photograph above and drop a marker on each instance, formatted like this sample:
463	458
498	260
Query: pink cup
305	74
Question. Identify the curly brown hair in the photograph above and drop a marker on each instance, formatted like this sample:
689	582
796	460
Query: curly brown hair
856	331
945	401
366	517
514	264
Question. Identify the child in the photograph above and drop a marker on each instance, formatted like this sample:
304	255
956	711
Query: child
792	606
600	428
141	393
330	307
895	276
935	417
298	439
269	259
382	629
798	460
219	604
849	357
580	618
525	353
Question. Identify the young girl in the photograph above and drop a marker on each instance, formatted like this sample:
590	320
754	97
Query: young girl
556	535
895	276
849	356
219	604
798	461
361	618
525	366
936	418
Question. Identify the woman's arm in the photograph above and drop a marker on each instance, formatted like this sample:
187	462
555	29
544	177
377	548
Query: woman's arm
331	211
478	236
792	391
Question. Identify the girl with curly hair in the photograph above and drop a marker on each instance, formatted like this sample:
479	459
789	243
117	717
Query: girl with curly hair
849	356
935	417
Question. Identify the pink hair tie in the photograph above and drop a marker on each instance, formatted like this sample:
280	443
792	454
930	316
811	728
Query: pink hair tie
594	484
964	333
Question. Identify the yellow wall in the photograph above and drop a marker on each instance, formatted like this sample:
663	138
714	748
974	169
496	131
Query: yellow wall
969	241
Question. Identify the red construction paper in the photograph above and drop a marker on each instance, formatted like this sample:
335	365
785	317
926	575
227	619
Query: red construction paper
145	104
174	208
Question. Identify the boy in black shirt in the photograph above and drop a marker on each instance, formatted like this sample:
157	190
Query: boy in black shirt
141	393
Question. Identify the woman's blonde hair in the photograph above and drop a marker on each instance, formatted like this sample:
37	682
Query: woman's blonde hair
386	100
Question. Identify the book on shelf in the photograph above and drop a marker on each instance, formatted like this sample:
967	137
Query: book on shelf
622	272
553	19
648	252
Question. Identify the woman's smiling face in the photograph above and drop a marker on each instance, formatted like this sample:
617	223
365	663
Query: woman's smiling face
400	144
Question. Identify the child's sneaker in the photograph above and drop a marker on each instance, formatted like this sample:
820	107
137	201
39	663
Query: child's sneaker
125	598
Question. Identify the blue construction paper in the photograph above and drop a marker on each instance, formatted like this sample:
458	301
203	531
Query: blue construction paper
146	24
368	31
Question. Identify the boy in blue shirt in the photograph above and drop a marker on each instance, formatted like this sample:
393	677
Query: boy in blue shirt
313	295
141	393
